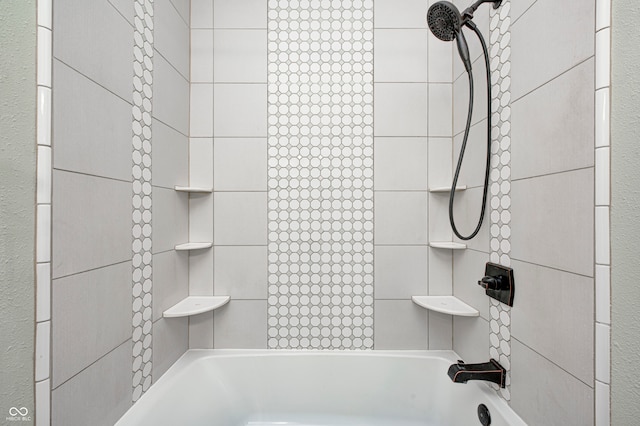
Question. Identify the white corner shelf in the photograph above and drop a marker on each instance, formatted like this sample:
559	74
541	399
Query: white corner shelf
193	189
193	246
446	189
446	305
450	245
194	305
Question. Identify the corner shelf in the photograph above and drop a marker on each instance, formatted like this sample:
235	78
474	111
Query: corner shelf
450	245
193	246
446	189
446	305
194	305
193	189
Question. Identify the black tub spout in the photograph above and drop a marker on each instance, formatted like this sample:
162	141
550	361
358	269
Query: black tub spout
490	371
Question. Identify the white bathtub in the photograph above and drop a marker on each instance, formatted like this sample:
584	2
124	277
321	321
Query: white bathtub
310	388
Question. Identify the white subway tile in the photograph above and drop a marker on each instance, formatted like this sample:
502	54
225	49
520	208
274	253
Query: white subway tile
603	14
240	272
440	62
241	324
45	13
201	56
43	193
240	218
201	331
440	281
43	339
603	116
603	294
44	116
201	273
44	57
603	350
440	162
401	218
171	35
240	110
440	107
603	406
240	164
201	14
43	403
603	176
201	110
400	13
602	236
239	14
400	324
401	55
401	271
43	292
201	217
43	234
440	331
603	58
400	164
400	109
240	56
201	162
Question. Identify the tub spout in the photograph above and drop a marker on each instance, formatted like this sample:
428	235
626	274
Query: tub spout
490	371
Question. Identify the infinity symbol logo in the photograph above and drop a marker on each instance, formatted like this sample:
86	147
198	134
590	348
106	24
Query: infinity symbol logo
13	411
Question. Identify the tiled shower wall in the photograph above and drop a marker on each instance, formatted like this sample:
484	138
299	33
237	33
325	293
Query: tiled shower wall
94	168
236	105
551	215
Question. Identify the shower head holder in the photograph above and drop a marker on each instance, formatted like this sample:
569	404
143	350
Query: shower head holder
467	14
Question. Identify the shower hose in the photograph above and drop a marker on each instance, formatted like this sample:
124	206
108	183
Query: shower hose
475	29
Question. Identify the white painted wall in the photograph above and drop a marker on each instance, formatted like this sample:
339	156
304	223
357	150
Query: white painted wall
625	213
17	208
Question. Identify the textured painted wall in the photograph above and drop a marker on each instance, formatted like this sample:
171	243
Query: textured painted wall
625	213
17	202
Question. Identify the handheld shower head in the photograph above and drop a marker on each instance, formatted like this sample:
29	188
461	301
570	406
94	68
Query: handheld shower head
445	22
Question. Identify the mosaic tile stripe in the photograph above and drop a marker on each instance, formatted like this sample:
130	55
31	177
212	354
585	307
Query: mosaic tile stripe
142	259
320	59
500	56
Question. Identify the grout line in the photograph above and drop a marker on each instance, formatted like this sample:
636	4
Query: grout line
159	53
75	172
88	270
552	362
92	363
523	13
130	102
131	24
576	65
551	267
179	14
170	126
553	173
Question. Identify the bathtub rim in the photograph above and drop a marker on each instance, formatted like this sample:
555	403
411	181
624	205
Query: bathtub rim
193	355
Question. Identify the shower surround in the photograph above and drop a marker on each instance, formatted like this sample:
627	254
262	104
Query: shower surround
379	83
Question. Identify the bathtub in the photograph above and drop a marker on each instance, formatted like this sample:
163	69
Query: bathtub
312	388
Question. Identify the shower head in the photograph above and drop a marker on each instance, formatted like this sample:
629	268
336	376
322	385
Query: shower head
445	22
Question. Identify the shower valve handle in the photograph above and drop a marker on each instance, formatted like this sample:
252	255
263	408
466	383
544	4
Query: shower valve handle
491	283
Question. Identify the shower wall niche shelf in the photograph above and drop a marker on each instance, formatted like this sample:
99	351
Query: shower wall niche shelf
447	245
446	305
194	305
446	189
194	189
193	246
